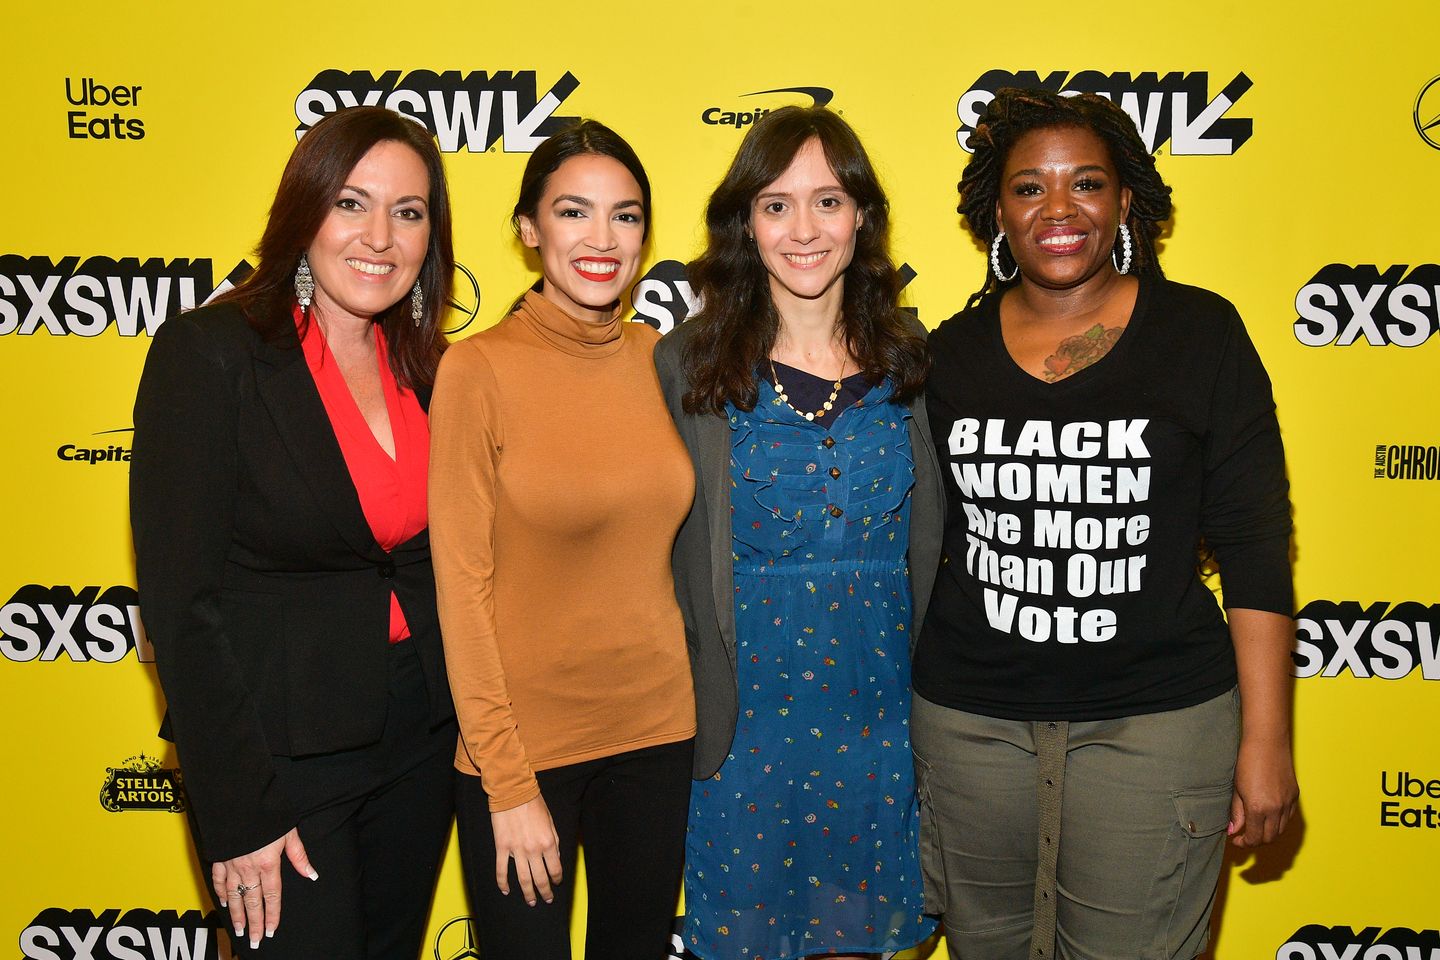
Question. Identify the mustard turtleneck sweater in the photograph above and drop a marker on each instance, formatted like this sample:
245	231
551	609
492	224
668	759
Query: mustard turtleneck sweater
557	485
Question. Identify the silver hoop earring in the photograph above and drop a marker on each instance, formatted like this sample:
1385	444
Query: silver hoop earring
304	282
1123	267
417	302
995	260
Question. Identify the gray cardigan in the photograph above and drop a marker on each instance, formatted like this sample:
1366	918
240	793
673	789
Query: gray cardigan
703	558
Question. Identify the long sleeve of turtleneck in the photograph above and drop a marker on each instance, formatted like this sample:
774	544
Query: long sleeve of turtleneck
557	485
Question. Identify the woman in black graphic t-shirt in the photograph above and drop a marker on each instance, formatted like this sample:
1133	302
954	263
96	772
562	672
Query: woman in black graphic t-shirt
1078	690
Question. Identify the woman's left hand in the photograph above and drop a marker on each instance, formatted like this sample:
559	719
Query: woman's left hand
1266	792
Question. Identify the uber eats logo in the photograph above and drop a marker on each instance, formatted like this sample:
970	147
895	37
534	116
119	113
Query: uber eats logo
473	111
57	934
100	99
1373	641
86	299
46	623
1176	107
1316	942
1343	305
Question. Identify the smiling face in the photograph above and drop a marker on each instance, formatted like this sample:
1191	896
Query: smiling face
372	244
588	227
1060	206
804	228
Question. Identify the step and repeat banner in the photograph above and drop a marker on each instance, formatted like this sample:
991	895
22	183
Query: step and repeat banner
142	147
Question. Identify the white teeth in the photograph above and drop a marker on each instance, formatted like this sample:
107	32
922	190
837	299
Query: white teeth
595	266
376	269
1063	240
804	259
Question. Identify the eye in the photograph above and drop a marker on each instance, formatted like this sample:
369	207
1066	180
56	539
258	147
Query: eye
410	213
1028	190
775	207
1090	184
830	203
628	217
574	213
348	203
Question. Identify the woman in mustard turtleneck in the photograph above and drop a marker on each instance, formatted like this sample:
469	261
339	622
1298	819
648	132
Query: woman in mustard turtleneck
557	485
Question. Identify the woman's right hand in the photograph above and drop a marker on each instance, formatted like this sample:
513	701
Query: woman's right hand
257	905
527	835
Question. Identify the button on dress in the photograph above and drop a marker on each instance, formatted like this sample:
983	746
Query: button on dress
805	841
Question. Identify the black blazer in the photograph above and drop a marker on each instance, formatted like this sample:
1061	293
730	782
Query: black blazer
262	588
703	559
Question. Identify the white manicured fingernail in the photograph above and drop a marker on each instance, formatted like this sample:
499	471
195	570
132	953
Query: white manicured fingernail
239	930
269	933
254	944
312	874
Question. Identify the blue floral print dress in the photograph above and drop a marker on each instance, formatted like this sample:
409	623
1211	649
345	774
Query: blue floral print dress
805	841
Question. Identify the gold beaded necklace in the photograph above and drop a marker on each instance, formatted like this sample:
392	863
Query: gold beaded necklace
829	404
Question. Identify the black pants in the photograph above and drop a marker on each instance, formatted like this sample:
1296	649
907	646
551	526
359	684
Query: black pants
375	822
631	809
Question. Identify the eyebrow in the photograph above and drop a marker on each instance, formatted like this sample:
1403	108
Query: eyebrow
366	195
584	202
1037	172
832	188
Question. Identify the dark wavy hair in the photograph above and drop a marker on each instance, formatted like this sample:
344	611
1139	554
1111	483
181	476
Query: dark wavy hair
576	139
737	323
309	187
1015	112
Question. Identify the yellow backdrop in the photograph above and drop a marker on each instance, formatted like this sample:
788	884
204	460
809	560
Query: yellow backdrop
141	148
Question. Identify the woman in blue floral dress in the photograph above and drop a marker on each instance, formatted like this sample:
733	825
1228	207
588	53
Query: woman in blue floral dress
807	559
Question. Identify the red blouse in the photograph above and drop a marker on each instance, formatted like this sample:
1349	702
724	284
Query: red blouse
392	491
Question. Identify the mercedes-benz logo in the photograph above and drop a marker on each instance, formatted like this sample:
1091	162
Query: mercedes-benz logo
1427	113
464	301
457	943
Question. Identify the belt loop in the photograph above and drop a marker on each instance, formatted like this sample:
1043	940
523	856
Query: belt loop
1051	742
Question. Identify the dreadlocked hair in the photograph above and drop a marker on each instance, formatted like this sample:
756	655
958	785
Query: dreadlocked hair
1014	113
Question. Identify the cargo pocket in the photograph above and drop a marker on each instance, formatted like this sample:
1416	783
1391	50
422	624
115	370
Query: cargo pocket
932	851
1202	816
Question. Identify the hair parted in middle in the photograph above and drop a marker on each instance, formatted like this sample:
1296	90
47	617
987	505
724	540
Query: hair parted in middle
1015	112
738	321
579	138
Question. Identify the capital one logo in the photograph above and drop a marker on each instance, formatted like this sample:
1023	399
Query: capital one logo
474	111
1176	107
1344	305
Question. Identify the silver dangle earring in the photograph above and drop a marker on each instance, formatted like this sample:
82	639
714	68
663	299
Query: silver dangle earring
304	282
417	302
995	260
1123	267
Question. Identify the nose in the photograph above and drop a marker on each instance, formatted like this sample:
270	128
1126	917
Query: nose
602	234
379	231
804	227
1059	205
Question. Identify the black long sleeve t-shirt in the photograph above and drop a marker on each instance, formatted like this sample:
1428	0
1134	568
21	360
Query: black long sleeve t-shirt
1069	589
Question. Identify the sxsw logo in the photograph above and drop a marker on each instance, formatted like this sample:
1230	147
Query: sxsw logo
1373	641
1342	305
45	622
58	934
1176	107
1315	942
473	111
664	299
86	299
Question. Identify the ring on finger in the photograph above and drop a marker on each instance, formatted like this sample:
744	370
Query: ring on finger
242	889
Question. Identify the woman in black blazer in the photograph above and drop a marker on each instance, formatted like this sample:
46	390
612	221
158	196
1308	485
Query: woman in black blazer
310	746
